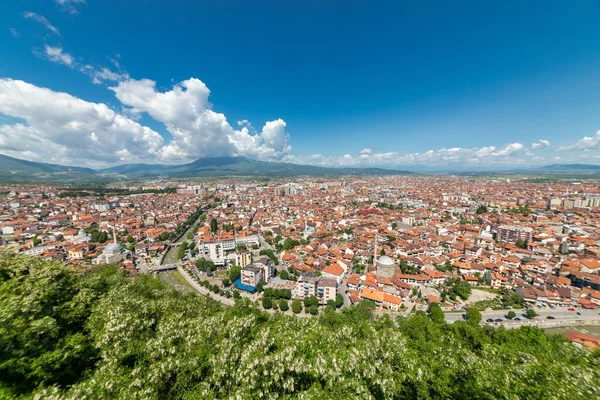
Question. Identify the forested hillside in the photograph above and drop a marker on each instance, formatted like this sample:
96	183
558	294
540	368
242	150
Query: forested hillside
101	335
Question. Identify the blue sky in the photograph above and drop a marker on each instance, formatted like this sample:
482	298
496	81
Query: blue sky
437	84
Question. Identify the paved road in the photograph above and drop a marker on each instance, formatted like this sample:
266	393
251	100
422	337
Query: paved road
560	314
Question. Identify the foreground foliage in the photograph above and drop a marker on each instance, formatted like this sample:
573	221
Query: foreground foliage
99	334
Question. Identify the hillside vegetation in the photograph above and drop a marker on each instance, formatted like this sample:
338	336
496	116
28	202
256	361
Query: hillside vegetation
102	335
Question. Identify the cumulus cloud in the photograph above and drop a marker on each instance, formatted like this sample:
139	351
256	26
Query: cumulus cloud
41	20
586	143
61	128
540	144
57	55
197	130
456	156
366	151
70	5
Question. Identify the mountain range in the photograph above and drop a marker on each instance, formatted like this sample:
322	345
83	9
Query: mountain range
17	170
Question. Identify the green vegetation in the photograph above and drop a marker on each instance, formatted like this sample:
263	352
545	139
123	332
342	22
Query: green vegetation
481	210
511	314
435	313
522	244
214	226
530	313
181	250
457	287
204	265
296	306
269	253
234	273
473	315
102	335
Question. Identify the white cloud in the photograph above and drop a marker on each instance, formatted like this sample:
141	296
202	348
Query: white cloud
42	20
586	143
455	156
98	74
14	32
366	151
56	54
540	144
70	5
197	130
60	128
509	149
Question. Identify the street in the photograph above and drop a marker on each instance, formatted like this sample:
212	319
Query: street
560	314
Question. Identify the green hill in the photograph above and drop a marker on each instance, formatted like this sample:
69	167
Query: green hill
16	170
101	335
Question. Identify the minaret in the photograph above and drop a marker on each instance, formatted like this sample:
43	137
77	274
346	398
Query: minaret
114	235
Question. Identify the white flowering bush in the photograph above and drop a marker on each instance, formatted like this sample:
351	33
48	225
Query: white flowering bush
102	335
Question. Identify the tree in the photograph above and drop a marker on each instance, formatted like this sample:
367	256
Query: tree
236	294
130	239
214	226
310	301
296	306
204	265
267	303
284	274
435	313
522	244
283	305
331	305
314	309
89	334
260	286
481	210
226	282
511	314
530	313
234	273
339	300
473	315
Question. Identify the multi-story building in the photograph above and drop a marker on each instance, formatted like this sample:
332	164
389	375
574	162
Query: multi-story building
243	258
326	290
251	275
510	234
306	286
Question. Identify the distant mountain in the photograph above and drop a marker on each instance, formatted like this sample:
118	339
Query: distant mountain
16	170
237	166
571	167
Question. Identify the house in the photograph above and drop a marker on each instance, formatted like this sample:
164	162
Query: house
391	302
373	295
334	271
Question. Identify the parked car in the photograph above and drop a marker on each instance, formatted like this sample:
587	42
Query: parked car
517	319
550	317
498	320
489	320
571	309
578	313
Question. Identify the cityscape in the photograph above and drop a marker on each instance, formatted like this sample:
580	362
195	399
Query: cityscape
404	243
299	200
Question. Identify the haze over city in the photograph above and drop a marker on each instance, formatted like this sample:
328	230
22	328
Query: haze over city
431	86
